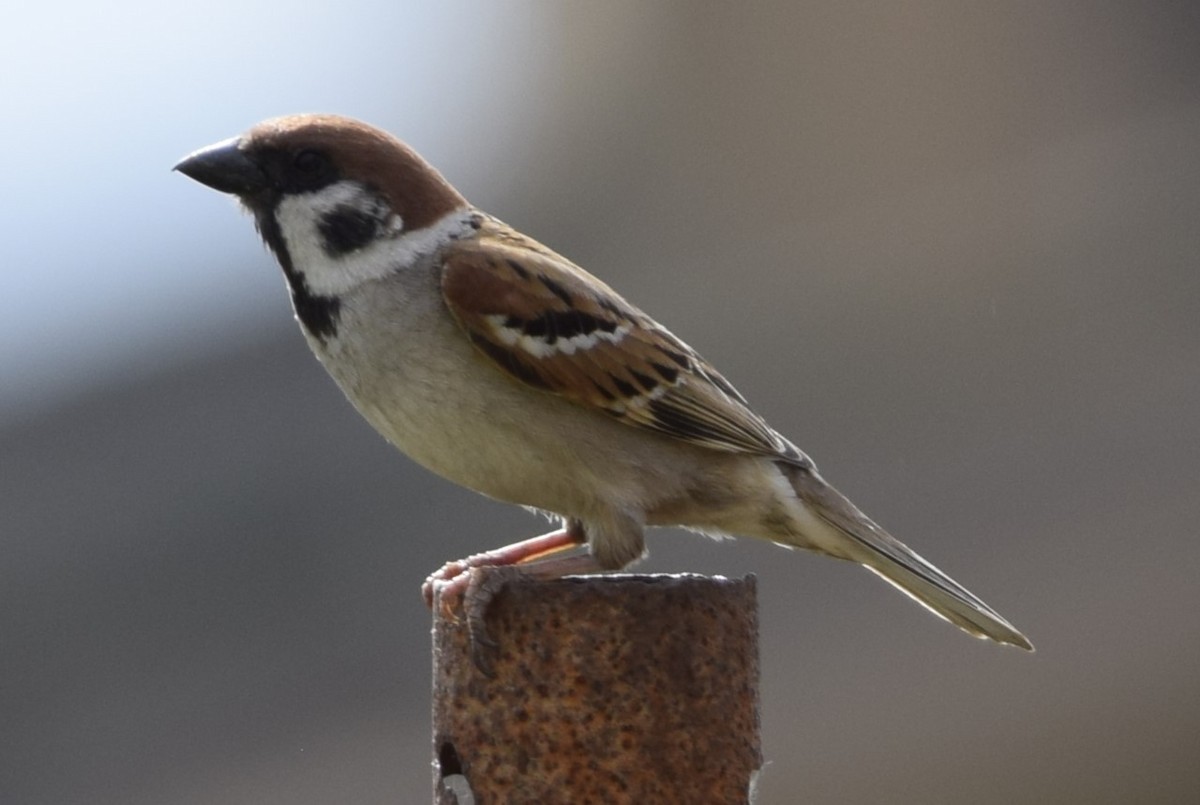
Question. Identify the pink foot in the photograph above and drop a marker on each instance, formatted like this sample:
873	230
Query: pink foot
448	584
469	585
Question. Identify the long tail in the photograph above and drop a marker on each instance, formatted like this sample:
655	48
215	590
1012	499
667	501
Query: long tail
895	562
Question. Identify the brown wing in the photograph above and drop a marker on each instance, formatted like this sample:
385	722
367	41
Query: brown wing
551	325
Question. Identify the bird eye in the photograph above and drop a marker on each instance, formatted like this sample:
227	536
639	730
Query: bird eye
308	161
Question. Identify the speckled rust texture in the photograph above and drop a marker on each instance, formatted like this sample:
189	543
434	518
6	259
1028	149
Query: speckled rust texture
607	689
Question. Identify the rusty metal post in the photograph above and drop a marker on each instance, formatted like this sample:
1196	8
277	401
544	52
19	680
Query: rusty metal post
606	689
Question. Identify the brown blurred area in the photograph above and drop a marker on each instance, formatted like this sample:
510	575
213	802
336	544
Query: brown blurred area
950	249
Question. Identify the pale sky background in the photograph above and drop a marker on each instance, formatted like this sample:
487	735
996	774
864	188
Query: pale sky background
100	100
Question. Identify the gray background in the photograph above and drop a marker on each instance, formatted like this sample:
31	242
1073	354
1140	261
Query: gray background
950	249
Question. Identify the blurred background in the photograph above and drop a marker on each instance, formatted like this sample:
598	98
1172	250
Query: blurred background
948	248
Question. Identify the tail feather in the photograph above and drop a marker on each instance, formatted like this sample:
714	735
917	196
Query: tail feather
896	563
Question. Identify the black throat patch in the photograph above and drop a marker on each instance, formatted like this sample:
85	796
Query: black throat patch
317	314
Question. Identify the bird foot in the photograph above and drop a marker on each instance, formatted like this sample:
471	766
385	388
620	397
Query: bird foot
468	585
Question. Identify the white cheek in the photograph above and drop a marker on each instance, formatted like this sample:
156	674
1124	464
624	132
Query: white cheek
299	216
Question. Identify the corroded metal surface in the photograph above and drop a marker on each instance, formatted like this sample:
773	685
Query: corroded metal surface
606	689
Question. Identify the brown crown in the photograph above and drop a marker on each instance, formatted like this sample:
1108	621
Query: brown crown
414	188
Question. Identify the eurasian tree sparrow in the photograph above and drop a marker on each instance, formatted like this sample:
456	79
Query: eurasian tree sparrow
504	367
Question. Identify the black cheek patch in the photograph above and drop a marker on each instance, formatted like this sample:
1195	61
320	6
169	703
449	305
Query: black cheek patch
347	229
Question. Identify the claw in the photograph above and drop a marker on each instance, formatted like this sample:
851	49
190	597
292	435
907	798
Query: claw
467	586
466	596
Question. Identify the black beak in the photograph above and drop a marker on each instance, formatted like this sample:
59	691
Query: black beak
222	166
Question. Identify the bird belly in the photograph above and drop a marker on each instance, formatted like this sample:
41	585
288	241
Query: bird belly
454	413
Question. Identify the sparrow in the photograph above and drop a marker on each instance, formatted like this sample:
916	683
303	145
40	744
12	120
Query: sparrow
501	365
